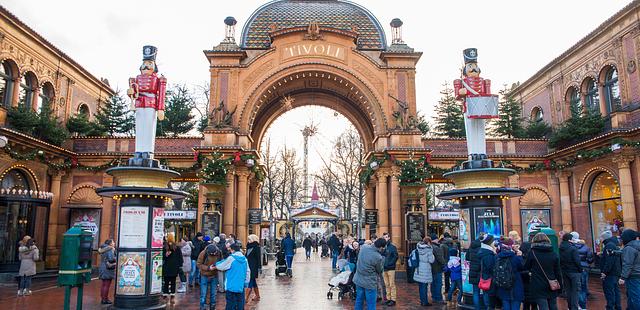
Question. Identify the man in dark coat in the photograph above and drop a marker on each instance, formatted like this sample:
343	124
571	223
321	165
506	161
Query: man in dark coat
610	269
334	246
389	274
448	241
441	253
474	270
571	270
306	244
289	247
630	274
198	246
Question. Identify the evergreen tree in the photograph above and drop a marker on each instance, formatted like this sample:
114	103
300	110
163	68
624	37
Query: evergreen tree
449	119
80	124
537	129
114	117
510	121
581	126
203	123
422	124
23	119
178	119
48	128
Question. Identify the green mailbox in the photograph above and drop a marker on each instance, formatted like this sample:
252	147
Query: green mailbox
75	258
550	233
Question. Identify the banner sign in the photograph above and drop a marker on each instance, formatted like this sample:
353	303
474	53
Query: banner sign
488	220
134	222
444	215
180	215
157	233
131	273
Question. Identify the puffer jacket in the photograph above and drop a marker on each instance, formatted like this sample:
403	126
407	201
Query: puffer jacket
422	273
107	255
631	260
28	257
186	257
585	253
474	262
611	261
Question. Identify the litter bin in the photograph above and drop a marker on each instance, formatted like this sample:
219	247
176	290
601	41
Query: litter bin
550	233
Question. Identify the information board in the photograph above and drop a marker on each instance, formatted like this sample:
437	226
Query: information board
134	227
371	217
211	224
415	226
255	216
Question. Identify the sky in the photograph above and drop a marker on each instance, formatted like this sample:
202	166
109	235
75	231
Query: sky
514	38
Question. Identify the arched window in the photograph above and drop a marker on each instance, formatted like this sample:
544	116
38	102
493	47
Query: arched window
537	115
6	84
27	88
15	179
83	109
611	89
591	96
605	205
45	96
575	102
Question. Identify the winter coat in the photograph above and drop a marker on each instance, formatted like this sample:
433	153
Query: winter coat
198	246
186	257
107	255
369	267
172	262
334	243
237	273
205	260
422	273
474	262
454	268
631	260
390	256
306	244
253	257
525	248
585	253
569	258
516	292
487	257
289	246
222	246
28	257
441	254
549	263
611	261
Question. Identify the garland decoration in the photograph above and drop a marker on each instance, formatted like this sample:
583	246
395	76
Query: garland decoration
371	167
215	169
66	165
413	172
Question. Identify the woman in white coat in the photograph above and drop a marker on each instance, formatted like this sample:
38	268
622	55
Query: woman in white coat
422	273
185	248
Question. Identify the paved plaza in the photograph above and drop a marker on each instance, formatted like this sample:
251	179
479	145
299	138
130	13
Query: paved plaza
306	290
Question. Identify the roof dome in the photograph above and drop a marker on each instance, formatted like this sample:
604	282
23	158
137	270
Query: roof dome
339	14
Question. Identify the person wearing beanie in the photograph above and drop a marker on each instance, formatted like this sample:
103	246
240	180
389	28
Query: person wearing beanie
586	259
198	246
208	276
441	253
422	271
289	247
610	269
216	240
630	275
487	257
207	239
454	269
571	270
511	295
368	270
237	276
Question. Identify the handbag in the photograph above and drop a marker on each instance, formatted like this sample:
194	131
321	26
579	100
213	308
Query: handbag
484	284
553	284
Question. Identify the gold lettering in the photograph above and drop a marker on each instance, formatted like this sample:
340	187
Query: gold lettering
290	51
328	50
307	50
315	49
299	52
338	52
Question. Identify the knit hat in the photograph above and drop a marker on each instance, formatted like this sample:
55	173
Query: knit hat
380	243
576	235
236	246
216	239
567	237
433	237
606	235
199	234
488	239
628	235
207	238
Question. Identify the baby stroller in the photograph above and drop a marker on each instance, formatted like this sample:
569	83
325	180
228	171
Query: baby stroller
343	282
325	250
281	263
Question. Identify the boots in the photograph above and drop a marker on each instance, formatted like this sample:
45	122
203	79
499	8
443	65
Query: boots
257	293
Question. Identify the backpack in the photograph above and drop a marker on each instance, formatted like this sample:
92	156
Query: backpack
503	273
414	259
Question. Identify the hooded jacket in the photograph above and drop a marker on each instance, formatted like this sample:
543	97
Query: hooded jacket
516	292
611	261
569	258
237	273
369	267
454	268
107	254
487	257
28	257
289	246
422	273
205	260
585	253
631	260
474	262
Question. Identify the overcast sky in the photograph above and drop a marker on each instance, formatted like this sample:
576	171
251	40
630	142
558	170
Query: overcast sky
514	38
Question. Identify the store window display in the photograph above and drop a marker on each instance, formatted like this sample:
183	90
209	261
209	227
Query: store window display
605	205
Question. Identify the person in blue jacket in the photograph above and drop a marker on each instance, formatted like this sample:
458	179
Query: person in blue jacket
513	296
289	247
237	277
455	276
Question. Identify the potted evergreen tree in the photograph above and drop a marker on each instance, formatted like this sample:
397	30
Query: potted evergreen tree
213	175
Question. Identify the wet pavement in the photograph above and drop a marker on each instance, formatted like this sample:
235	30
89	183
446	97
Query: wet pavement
307	289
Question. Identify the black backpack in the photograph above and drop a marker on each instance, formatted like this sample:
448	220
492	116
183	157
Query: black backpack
503	273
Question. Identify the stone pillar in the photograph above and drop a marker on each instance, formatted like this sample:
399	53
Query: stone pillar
53	253
556	211
108	222
228	210
565	200
369	204
514	182
243	184
255	204
201	200
381	203
16	91
623	160
396	211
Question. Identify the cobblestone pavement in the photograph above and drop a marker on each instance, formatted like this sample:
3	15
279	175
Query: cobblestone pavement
306	290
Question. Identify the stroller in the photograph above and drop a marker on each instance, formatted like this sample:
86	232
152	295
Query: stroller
281	263
325	250
343	282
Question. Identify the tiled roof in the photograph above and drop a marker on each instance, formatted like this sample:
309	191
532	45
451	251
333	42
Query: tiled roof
339	14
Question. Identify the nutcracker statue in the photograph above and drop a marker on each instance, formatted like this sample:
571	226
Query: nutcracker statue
147	93
478	103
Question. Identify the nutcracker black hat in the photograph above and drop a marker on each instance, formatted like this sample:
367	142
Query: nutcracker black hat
149	52
470	55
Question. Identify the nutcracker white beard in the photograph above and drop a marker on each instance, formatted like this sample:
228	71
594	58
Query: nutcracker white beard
146	119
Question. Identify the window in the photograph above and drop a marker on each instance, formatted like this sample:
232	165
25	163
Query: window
611	90
575	102
536	114
605	204
6	84
83	109
592	97
27	88
45	96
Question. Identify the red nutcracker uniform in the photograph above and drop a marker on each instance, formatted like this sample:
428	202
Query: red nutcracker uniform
480	85
151	91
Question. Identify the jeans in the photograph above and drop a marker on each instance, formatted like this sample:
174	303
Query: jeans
25	282
436	286
447	281
195	273
511	304
572	286
546	304
478	302
633	293
611	292
104	289
334	259
235	301
424	295
221	275
368	295
584	289
289	259
210	284
389	277
308	252
455	284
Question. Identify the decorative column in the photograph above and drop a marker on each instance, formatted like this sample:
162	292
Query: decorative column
381	202
227	213
624	160
53	253
556	211
255	204
565	200
201	200
514	182
108	222
243	178
396	212
369	201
